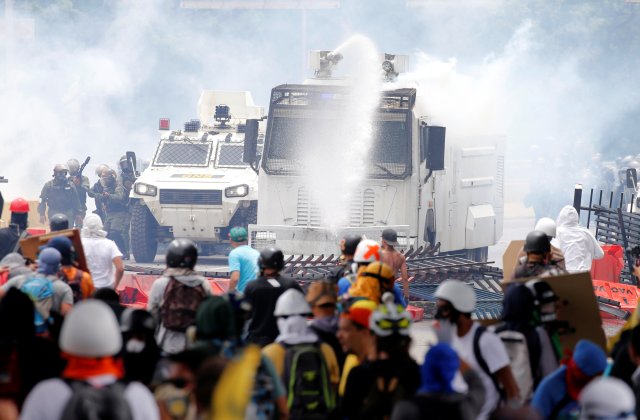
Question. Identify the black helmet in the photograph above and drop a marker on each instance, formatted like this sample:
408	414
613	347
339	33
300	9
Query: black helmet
537	242
350	243
137	320
182	253
271	258
59	221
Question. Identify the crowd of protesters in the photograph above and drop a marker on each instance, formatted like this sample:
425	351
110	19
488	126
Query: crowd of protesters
273	348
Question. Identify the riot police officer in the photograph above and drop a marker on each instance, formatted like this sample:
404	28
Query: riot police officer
96	192
81	183
60	196
114	204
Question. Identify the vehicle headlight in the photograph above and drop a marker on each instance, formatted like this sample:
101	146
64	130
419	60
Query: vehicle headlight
236	191
145	189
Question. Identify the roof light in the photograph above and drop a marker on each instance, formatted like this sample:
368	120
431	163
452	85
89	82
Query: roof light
164	124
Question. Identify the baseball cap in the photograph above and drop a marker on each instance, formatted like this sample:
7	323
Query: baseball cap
238	234
359	312
321	292
390	236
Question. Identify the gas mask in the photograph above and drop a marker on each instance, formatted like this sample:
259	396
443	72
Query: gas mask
107	181
548	312
60	175
135	345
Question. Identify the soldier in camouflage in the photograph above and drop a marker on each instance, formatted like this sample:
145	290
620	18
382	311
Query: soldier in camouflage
81	183
60	196
114	202
96	193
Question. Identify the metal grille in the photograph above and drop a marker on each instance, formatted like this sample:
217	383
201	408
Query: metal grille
181	153
362	208
197	197
307	212
500	177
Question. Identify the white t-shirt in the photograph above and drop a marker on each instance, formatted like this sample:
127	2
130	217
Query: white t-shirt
100	253
49	398
495	355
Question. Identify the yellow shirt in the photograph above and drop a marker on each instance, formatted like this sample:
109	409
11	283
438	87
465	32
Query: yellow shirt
350	362
276	353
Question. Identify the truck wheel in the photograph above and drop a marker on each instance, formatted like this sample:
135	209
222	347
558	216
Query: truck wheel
144	232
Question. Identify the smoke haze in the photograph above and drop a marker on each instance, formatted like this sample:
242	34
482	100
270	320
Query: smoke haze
559	79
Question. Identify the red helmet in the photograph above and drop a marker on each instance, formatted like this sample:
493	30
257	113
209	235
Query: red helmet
19	205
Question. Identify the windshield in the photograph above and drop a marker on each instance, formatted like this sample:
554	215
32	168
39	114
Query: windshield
182	153
389	157
229	155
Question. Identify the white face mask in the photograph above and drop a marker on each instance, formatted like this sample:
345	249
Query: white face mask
135	346
446	331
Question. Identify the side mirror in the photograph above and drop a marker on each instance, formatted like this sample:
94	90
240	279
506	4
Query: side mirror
632	178
132	162
250	142
432	146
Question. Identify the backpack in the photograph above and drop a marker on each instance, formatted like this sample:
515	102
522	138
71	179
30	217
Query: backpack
309	391
90	403
179	305
516	345
482	362
40	290
74	283
262	405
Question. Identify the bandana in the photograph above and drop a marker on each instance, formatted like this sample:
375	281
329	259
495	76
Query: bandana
81	368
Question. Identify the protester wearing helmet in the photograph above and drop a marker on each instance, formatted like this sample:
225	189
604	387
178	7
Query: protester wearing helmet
263	293
537	262
243	260
60	196
548	226
577	243
367	251
373	281
103	256
323	299
438	396
607	398
390	374
80	281
58	222
354	335
455	303
174	297
557	396
17	229
348	246
291	312
90	338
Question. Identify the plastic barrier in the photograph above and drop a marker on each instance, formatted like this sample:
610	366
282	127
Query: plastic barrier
134	289
417	314
626	294
609	267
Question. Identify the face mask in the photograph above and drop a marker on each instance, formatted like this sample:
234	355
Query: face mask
446	331
548	312
135	346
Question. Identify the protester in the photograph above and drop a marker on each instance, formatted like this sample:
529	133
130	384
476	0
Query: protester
307	366
140	352
578	244
263	294
355	337
174	297
206	381
538	259
481	349
58	222
322	296
10	236
90	339
390	374
79	281
348	246
547	324
437	398
373	281
112	300
243	260
102	254
15	265
607	398
558	393
395	259
367	251
548	226
633	354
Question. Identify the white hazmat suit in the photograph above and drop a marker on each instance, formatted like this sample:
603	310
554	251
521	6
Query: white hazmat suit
578	245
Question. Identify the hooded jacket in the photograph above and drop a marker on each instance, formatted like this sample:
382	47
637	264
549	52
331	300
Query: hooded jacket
579	246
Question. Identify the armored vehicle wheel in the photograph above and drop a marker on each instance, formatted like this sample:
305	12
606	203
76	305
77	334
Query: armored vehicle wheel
144	232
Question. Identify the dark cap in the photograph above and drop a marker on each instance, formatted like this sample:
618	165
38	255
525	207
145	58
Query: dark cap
390	236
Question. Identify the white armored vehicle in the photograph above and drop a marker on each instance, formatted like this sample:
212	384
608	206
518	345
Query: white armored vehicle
446	196
198	185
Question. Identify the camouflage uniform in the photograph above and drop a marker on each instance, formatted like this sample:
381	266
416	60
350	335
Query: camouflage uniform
83	187
60	197
114	203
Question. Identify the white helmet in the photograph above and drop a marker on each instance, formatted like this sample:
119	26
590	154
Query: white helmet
459	294
546	225
389	318
90	330
367	251
596	400
292	302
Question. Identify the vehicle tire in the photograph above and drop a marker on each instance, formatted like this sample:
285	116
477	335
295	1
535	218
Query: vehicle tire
144	232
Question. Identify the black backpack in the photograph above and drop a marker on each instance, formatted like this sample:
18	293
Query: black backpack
90	403
309	391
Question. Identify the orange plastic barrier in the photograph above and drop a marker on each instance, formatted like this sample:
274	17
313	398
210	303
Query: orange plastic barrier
134	288
610	266
626	294
417	314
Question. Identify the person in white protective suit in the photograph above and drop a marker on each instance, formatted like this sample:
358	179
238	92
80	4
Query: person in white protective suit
578	245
